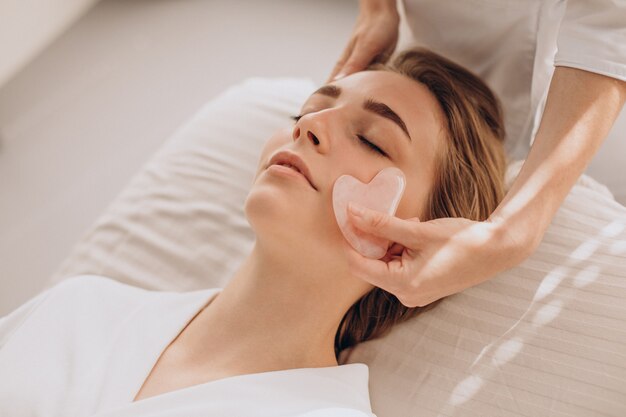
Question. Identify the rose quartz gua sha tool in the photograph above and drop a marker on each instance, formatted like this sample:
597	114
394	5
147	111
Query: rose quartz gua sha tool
383	193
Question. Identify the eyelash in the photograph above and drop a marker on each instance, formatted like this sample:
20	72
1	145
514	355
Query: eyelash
363	140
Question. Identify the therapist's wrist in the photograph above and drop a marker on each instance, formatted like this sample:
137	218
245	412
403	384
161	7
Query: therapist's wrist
373	7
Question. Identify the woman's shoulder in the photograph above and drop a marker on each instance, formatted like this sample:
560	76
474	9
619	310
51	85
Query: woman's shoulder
91	290
95	283
81	297
99	286
337	412
90	282
91	293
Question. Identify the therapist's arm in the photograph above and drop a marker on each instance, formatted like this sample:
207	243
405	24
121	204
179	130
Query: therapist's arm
580	110
444	256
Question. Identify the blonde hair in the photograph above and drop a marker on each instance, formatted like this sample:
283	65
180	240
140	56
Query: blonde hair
468	181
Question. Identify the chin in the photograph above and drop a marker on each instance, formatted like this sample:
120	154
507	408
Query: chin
271	214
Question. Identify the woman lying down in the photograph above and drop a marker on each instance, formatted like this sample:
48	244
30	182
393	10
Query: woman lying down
268	344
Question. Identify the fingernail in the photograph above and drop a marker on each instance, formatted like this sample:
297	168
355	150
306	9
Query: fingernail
338	76
356	209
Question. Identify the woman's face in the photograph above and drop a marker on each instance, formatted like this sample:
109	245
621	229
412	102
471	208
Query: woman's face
330	138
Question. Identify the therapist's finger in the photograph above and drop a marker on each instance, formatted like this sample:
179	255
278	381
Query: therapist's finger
342	60
361	56
405	232
393	275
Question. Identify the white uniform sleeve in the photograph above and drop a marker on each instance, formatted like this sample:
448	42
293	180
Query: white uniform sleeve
11	322
592	37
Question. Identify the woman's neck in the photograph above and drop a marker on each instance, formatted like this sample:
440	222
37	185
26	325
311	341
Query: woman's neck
272	315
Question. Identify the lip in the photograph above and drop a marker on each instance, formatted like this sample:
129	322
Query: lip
287	157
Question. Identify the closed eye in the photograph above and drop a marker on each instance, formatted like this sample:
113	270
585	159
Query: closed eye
371	145
363	140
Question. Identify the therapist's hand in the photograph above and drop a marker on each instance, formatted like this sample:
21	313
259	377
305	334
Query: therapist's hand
433	259
373	39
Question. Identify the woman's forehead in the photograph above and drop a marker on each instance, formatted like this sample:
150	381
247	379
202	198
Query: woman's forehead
386	86
410	99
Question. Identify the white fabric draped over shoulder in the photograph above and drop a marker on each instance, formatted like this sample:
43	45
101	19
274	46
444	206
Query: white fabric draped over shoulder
85	346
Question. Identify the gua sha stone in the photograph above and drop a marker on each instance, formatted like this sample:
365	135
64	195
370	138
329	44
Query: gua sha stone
383	193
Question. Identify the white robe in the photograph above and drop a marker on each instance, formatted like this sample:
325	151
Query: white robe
85	346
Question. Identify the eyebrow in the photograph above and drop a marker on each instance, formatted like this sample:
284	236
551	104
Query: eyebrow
370	104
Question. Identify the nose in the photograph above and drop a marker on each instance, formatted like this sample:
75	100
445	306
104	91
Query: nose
310	135
314	130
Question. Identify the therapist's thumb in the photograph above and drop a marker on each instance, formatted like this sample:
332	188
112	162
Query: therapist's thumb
405	232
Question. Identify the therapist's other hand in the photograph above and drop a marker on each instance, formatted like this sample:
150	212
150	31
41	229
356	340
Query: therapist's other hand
373	39
433	259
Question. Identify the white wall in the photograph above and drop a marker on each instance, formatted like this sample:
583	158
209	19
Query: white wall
28	26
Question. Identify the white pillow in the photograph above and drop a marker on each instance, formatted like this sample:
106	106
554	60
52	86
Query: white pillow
545	338
179	224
